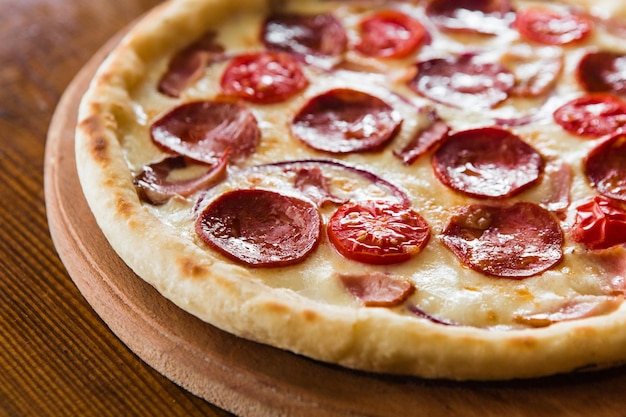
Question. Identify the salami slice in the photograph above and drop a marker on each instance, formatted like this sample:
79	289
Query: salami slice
345	120
605	167
188	65
547	26
463	82
592	115
517	241
602	72
319	35
204	130
488	163
263	77
378	289
286	232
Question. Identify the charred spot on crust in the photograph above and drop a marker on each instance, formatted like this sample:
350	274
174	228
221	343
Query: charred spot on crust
97	145
191	268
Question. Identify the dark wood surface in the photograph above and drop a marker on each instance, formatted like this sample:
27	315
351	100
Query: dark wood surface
57	357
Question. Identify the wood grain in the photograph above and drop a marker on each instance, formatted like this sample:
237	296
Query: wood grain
57	357
249	379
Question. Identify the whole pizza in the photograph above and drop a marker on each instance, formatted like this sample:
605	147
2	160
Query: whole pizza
433	188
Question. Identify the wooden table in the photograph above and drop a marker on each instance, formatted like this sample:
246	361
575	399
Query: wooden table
57	358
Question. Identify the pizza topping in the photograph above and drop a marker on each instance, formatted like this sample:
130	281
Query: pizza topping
378	289
345	120
517	241
536	70
487	162
605	167
314	36
592	115
551	27
463	82
378	232
260	228
312	182
577	308
264	77
558	179
602	72
158	182
204	130
188	65
480	16
421	313
424	140
335	181
600	224
389	34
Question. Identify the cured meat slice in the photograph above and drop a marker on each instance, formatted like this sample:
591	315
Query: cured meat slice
314	36
605	167
378	289
488	163
345	120
517	241
157	183
489	17
574	309
536	69
464	82
600	224
204	130
389	34
263	77
286	232
602	72
551	27
378	232
312	183
424	140
592	115
188	65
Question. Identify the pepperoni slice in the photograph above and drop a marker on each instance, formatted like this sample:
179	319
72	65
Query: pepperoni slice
463	82
264	77
592	115
488	17
517	241
378	232
378	289
188	65
602	72
204	130
600	224
550	27
488	163
319	35
345	120
157	183
286	232
605	167
389	34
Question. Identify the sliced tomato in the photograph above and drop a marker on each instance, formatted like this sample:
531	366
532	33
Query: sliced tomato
600	224
550	27
389	34
378	232
264	77
592	115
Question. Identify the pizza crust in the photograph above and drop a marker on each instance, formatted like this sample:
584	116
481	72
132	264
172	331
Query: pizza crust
234	298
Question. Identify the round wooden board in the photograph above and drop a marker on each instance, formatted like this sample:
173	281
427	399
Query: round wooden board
250	379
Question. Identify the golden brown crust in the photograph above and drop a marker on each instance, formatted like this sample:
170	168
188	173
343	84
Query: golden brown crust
234	299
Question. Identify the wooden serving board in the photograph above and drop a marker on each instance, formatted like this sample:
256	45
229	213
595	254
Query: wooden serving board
250	379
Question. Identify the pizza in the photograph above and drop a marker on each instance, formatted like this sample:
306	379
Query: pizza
428	188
